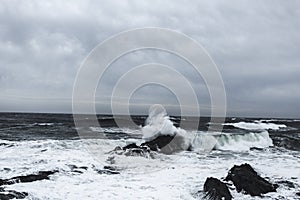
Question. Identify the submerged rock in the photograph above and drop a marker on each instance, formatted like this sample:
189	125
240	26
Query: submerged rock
216	190
131	150
11	194
107	171
41	175
246	179
131	146
286	183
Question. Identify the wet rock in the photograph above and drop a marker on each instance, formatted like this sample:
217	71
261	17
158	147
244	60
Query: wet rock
256	148
216	190
288	184
131	150
42	175
142	151
131	146
246	179
106	171
11	194
287	140
6	145
112	168
167	144
6	169
109	170
74	167
159	142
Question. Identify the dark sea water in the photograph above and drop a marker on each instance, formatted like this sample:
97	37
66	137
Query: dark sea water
32	142
33	126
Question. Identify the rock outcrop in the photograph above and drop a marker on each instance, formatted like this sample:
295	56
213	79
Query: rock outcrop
167	144
216	190
11	194
246	179
41	175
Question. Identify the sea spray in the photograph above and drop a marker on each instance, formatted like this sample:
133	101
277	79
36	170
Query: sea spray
158	124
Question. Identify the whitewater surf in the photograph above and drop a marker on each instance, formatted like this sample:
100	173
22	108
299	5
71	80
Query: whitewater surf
31	143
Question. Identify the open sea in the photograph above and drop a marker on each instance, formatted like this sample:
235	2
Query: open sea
30	143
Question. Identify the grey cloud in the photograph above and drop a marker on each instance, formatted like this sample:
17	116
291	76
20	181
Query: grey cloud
255	44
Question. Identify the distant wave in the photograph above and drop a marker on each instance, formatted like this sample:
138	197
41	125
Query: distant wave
257	125
43	124
232	142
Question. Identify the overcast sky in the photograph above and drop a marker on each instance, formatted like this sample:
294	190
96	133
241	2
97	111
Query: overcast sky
255	44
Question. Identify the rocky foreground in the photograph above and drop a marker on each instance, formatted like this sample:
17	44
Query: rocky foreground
244	178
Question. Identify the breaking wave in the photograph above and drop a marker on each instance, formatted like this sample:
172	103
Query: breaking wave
158	123
257	125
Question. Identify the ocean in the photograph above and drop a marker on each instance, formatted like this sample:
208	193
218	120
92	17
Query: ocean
88	168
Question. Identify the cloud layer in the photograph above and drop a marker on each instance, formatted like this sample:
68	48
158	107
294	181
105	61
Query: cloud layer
255	44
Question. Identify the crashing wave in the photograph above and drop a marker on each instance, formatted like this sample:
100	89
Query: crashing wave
158	124
257	126
240	142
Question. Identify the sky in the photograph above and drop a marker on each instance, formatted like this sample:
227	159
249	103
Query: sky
255	45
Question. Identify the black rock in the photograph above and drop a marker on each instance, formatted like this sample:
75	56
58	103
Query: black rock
298	193
159	142
167	144
246	179
42	175
256	148
74	167
130	146
112	168
131	150
216	190
288	184
11	194
106	171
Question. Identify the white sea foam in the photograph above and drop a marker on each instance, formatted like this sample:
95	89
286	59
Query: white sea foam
43	124
258	125
115	130
178	176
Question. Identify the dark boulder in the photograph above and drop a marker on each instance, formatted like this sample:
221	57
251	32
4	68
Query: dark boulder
167	144
159	142
216	190
246	179
42	175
